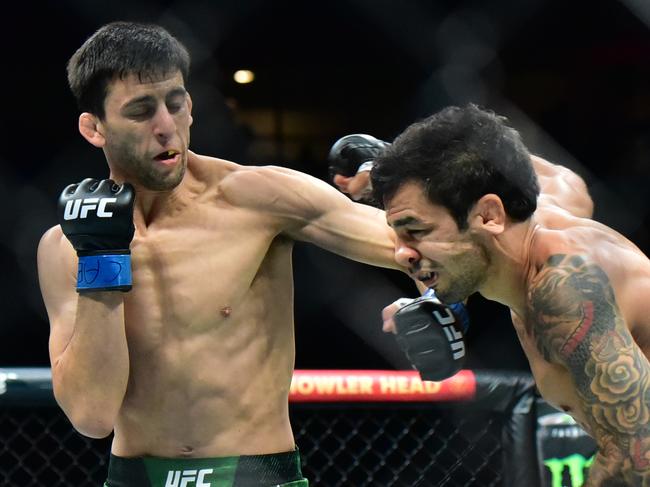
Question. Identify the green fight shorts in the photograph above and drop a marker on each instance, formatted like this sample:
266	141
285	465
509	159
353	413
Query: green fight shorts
272	470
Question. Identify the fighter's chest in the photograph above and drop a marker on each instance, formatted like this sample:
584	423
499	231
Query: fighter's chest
196	268
197	241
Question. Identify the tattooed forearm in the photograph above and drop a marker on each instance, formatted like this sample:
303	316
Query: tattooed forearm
577	323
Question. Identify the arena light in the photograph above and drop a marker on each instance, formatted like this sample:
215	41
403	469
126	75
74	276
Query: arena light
243	76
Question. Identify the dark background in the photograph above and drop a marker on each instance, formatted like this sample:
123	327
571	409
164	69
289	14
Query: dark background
572	76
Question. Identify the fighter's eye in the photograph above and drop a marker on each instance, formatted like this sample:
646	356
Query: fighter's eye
174	107
141	112
415	232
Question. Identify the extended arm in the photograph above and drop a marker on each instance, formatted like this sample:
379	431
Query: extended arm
577	323
308	209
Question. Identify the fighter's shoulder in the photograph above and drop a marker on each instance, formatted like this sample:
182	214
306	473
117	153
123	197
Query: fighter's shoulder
267	176
554	217
586	244
245	182
232	181
547	169
209	170
270	187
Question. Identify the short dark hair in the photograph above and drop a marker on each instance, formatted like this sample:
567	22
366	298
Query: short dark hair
460	154
119	49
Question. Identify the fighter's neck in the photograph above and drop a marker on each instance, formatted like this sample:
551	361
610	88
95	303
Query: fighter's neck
510	265
151	206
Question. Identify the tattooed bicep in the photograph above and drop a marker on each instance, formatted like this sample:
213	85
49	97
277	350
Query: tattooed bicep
570	302
577	323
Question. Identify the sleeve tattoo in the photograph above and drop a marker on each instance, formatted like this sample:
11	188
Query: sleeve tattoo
577	323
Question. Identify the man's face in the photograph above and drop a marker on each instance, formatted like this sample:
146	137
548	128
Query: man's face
430	245
147	130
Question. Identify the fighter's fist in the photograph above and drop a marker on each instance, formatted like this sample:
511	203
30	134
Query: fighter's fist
97	218
354	153
351	158
430	334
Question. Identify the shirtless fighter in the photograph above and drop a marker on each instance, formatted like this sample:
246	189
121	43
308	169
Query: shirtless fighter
169	286
462	195
438	356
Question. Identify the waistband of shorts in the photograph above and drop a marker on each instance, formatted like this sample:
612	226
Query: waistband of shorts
269	469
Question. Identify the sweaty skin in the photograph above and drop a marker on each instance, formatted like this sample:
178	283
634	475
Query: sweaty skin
576	292
196	360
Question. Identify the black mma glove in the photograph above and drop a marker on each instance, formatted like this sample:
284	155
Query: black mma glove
431	335
354	153
97	218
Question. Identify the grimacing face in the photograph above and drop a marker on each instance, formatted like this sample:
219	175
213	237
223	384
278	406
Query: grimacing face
146	131
432	248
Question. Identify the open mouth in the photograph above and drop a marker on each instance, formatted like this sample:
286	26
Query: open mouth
429	279
168	156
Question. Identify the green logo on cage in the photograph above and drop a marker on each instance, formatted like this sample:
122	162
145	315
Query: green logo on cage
576	464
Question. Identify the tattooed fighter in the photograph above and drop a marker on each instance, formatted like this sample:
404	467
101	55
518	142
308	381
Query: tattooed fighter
460	191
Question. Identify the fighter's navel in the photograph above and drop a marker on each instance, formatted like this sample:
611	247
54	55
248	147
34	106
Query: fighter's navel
565	408
226	311
187	451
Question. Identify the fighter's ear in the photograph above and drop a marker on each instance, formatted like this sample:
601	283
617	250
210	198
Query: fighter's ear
189	108
488	214
91	130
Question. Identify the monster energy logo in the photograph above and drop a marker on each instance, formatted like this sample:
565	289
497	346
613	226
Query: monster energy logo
576	464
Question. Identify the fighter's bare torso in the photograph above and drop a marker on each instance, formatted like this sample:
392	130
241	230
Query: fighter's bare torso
559	232
209	325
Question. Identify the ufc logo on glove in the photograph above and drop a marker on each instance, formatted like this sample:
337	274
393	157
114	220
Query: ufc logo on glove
79	208
431	336
97	218
454	336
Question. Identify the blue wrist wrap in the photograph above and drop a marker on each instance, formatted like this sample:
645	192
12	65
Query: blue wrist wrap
458	309
107	272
